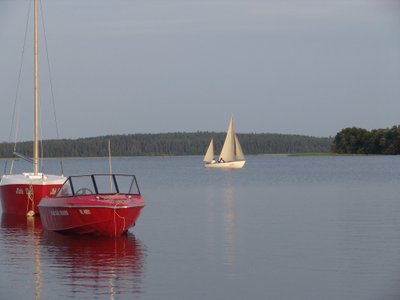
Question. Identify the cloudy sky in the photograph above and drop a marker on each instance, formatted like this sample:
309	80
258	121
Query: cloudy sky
147	66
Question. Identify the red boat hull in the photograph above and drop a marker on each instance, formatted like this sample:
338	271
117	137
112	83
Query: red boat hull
22	198
102	216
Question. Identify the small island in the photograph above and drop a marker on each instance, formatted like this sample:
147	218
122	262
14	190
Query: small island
361	141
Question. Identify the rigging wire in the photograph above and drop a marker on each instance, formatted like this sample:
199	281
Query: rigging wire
110	165
15	114
51	85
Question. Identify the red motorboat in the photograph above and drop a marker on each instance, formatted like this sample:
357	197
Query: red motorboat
97	204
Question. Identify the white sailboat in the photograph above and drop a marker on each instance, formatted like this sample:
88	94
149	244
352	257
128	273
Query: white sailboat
231	154
20	193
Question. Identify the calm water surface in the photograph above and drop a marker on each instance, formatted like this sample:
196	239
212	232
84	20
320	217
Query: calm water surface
281	228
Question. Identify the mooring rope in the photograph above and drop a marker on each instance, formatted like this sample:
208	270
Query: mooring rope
30	200
115	223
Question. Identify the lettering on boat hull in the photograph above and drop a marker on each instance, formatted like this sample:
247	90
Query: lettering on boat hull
59	212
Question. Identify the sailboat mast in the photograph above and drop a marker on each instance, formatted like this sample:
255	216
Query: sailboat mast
36	92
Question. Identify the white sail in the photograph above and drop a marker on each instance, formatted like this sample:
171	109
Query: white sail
228	149
210	152
238	148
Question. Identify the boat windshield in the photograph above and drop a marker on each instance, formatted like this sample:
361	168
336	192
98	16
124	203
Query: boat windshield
99	184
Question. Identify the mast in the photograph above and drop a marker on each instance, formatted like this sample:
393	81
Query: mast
36	92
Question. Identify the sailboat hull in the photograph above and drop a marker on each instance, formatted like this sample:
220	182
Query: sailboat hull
20	195
226	165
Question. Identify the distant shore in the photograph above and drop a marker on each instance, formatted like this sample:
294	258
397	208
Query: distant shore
330	154
170	144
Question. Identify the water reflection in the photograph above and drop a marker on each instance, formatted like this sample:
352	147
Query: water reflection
22	235
230	219
222	218
84	265
100	266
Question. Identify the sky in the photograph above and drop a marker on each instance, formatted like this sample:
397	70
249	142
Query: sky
132	66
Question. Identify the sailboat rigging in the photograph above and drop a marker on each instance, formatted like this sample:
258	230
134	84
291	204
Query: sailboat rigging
21	193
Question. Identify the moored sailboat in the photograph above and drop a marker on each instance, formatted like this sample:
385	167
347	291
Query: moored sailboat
21	193
231	154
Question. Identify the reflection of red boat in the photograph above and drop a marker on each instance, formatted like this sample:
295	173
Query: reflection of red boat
75	266
90	265
99	204
95	251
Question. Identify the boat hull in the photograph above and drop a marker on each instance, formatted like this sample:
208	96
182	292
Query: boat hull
226	165
100	217
20	195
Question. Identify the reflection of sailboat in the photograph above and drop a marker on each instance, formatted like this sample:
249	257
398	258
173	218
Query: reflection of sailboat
15	230
230	230
12	223
222	231
20	193
231	154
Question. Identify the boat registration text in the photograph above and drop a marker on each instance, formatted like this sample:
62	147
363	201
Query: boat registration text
59	213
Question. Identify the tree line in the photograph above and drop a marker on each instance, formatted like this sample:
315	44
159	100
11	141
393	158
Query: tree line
361	141
180	143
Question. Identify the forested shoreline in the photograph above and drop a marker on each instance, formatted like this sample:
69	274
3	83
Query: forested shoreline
179	143
361	141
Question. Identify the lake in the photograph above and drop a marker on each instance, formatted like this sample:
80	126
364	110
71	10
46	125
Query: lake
281	228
